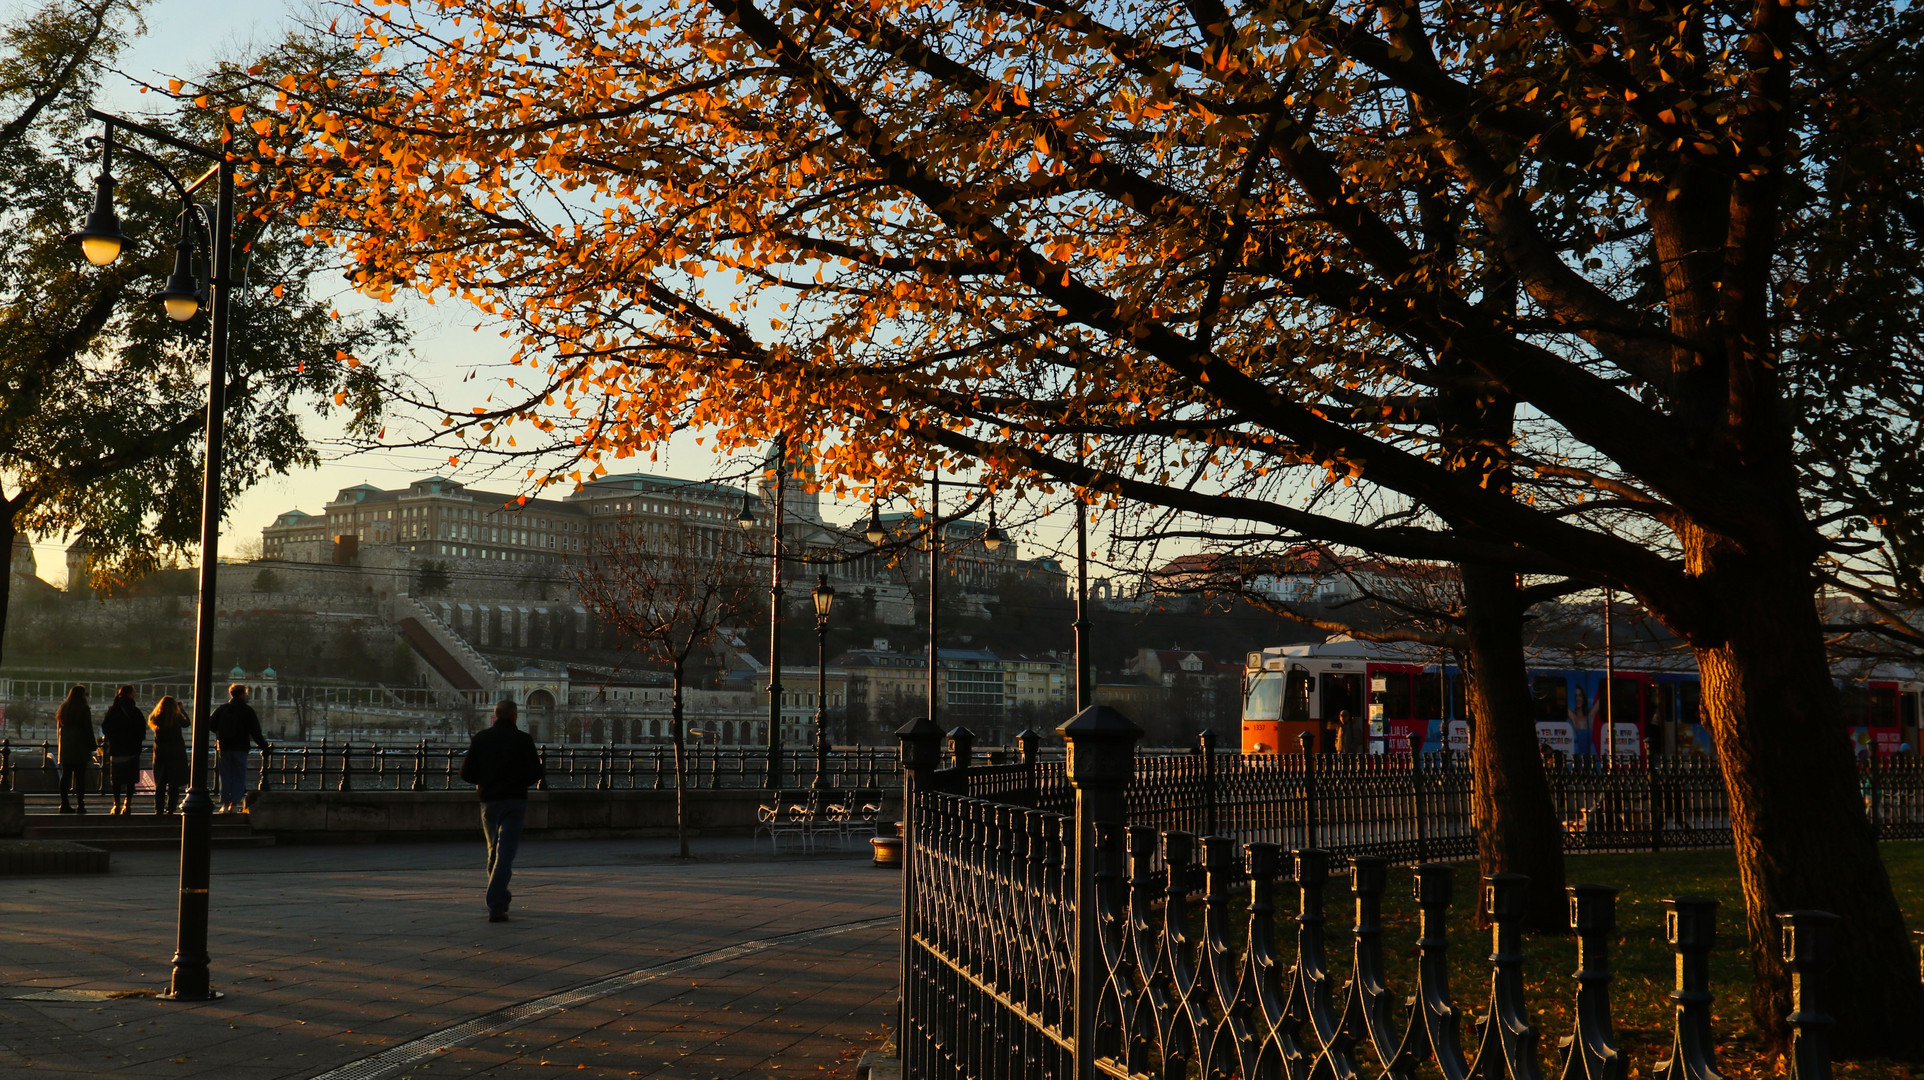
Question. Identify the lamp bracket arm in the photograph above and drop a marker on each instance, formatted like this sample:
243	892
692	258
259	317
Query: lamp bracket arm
186	194
157	135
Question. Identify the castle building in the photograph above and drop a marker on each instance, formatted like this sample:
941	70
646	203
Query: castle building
438	518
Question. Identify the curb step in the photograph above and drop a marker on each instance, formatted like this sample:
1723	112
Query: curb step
878	1065
33	857
112	833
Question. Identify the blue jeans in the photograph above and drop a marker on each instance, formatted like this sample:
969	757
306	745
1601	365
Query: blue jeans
501	821
233	777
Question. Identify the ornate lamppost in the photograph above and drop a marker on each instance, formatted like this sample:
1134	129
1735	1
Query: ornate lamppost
746	519
101	241
824	598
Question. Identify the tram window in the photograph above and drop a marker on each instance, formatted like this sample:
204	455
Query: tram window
1459	697
1429	697
1296	697
1907	709
1395	695
1550	697
1857	705
1265	697
1883	705
1663	703
1626	704
1691	706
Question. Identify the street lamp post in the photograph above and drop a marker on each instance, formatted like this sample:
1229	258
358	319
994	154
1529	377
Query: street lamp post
824	598
992	539
101	242
746	519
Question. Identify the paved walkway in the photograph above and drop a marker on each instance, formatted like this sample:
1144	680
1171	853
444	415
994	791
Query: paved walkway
364	963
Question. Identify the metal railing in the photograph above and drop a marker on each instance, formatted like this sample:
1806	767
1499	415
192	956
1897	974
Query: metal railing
1412	809
1038	943
436	766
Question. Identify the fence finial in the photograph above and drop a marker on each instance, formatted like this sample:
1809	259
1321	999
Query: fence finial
1807	953
961	748
1028	740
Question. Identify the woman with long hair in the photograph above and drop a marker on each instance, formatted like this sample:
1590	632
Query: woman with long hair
169	724
126	733
77	745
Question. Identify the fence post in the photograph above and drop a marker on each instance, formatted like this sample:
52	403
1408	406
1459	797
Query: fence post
1807	953
1029	741
1420	806
921	741
1690	925
6	764
1652	767
1872	809
1308	743
420	781
347	766
961	756
267	765
1102	753
1206	742
1591	1050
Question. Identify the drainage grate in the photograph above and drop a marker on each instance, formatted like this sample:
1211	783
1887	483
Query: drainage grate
513	1016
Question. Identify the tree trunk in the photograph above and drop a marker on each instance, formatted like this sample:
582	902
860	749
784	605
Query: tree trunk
1802	838
7	535
1516	823
681	766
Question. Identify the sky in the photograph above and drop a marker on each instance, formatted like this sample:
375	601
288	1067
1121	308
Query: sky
186	36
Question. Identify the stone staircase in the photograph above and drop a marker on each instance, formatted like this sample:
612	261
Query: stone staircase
478	669
139	831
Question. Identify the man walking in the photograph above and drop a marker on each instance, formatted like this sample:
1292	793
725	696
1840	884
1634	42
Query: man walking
502	763
236	728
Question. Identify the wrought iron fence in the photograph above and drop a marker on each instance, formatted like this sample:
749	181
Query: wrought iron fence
1108	941
430	766
1412	809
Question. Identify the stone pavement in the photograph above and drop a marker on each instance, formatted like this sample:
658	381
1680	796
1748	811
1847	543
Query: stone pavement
371	962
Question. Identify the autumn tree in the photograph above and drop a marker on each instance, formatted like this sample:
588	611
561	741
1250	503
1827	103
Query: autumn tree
1530	286
666	593
102	397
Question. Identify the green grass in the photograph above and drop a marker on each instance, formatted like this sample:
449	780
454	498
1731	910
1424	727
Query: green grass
1640	958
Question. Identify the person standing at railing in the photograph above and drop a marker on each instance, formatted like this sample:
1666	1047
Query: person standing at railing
126	734
169	724
77	744
236	728
502	764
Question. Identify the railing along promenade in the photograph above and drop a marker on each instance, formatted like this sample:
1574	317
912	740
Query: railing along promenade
1065	919
436	766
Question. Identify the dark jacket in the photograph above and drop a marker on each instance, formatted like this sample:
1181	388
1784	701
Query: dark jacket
125	728
234	725
77	740
502	763
170	756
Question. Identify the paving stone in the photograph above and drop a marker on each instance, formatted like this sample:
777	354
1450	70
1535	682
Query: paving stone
330	954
